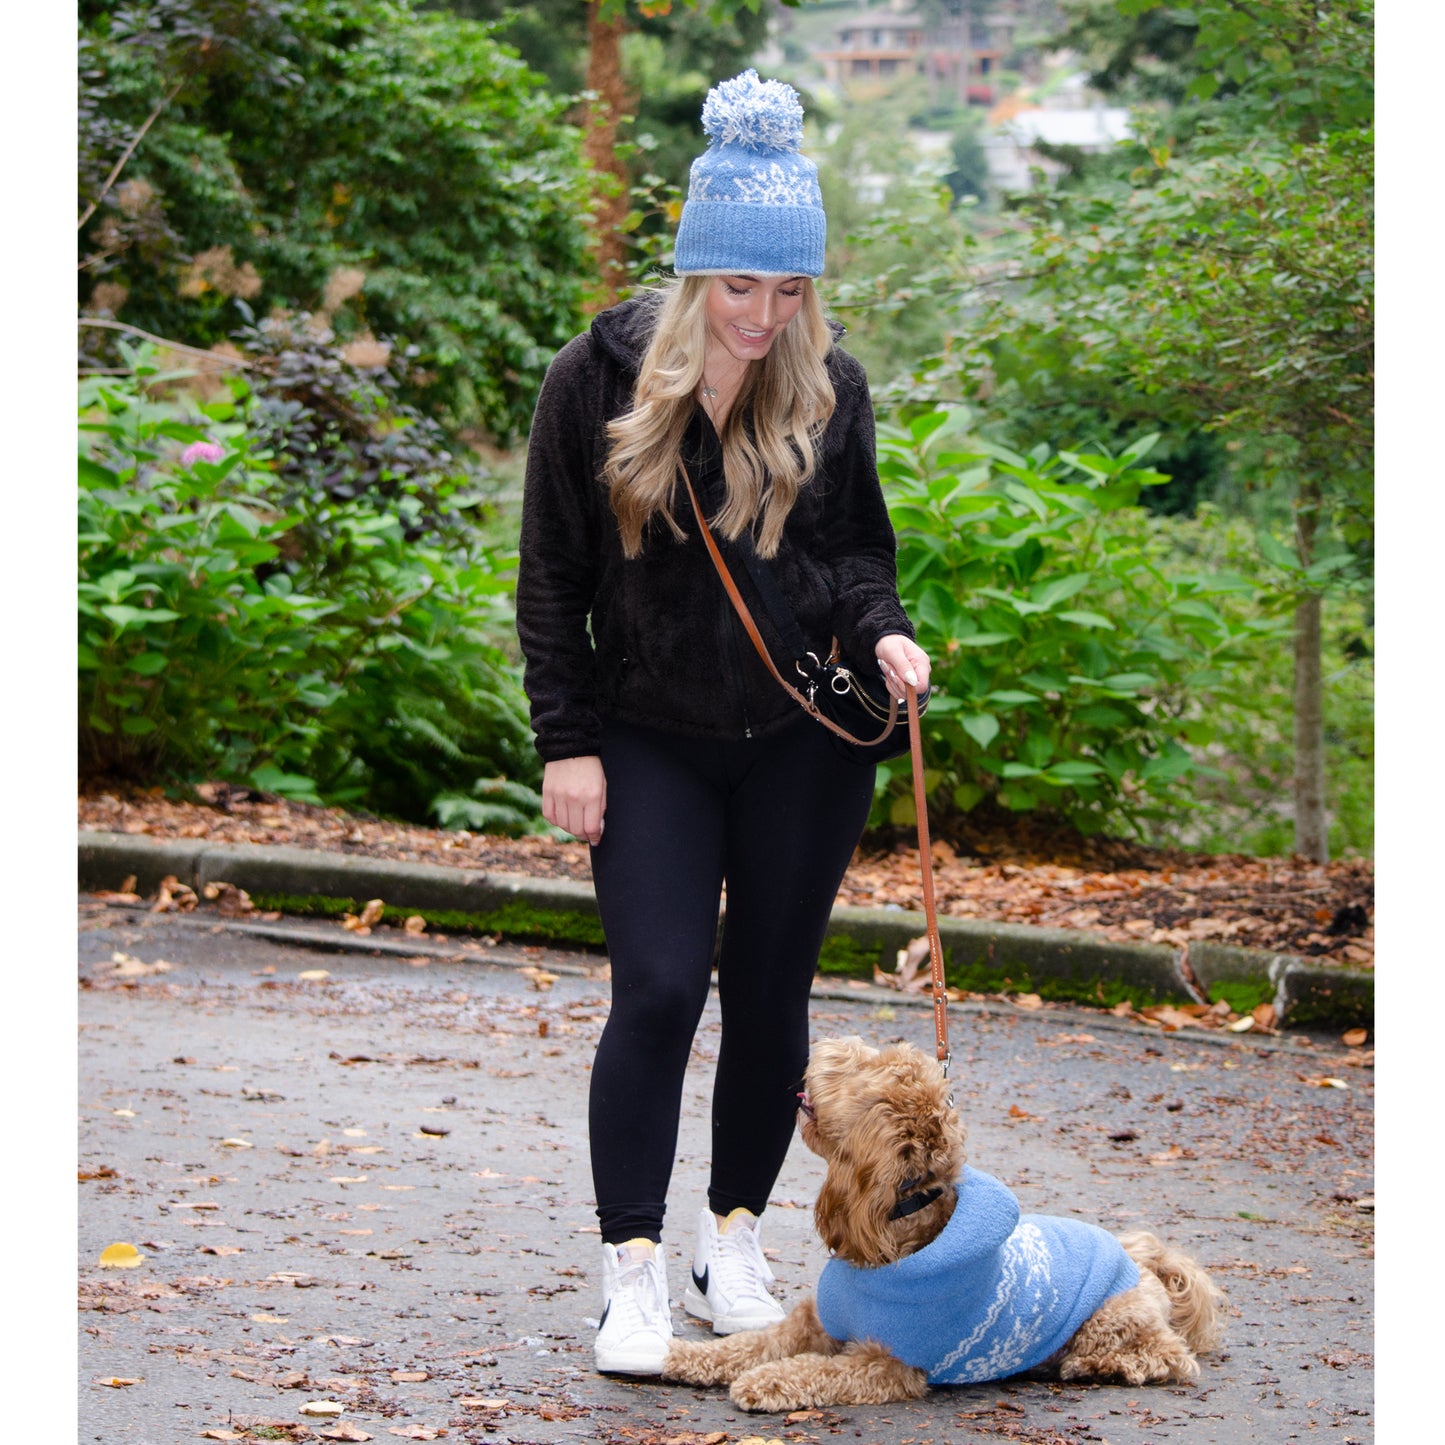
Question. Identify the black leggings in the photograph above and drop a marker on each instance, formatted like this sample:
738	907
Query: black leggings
777	818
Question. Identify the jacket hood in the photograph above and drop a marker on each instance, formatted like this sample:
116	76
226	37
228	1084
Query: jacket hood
624	331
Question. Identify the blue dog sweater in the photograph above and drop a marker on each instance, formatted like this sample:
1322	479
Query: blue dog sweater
996	1293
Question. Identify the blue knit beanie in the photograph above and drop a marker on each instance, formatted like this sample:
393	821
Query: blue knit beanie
753	204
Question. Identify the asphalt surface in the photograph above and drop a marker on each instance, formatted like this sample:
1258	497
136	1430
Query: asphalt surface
372	1189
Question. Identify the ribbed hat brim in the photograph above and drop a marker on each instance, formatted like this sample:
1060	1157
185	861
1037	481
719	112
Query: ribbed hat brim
745	238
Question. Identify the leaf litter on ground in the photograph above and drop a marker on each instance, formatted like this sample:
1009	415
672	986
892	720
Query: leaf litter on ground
1016	870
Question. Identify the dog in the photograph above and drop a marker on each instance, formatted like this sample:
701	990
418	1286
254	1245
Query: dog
936	1278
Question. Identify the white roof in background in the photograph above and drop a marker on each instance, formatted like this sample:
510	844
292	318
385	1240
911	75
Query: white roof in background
1099	127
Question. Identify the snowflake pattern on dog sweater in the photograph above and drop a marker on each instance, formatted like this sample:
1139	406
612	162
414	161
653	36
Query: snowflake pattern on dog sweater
994	1294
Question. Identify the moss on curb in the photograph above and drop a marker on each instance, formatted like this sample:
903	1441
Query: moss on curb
843	956
516	920
1243	995
1094	990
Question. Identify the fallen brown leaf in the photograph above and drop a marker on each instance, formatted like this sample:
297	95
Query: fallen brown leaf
118	1382
1353	1038
1172	1155
408	1377
230	901
173	896
103	1172
415	924
1170	1019
128	967
344	1430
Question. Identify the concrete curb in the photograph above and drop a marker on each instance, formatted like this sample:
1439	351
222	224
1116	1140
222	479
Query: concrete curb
1057	963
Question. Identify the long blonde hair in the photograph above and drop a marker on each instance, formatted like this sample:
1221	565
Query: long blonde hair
769	441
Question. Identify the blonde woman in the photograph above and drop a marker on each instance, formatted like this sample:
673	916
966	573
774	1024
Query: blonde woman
666	744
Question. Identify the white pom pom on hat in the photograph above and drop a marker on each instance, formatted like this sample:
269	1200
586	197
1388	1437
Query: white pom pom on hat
753	203
761	115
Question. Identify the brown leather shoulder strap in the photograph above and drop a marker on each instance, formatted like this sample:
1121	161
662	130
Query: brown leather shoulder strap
756	637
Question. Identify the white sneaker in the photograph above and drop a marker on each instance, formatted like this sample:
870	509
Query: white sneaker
636	1325
730	1276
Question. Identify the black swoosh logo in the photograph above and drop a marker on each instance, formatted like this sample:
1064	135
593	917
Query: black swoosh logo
700	1280
605	1313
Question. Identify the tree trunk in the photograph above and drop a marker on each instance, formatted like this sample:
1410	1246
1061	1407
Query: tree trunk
599	147
1311	820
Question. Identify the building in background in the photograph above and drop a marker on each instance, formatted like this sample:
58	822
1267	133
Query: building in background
957	59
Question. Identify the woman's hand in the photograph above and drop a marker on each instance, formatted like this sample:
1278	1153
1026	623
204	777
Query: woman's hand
574	796
902	660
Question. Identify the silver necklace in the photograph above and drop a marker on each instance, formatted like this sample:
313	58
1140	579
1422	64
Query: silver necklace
709	391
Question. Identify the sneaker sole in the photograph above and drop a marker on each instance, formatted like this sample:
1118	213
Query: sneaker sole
697	1306
623	1362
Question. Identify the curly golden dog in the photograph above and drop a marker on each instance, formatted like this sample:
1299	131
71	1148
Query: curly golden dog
936	1278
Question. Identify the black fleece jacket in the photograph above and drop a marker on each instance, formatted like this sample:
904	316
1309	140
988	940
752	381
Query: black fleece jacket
665	648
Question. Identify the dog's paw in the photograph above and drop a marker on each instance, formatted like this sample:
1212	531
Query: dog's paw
698	1362
773	1388
1151	1364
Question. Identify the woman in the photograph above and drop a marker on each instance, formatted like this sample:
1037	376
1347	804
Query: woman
666	744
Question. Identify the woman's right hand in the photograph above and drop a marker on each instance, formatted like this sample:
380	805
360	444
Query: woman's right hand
574	796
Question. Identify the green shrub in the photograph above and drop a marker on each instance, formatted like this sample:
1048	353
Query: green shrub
234	625
1067	659
297	143
1243	801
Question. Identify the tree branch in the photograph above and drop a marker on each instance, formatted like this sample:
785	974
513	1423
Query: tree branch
214	357
128	153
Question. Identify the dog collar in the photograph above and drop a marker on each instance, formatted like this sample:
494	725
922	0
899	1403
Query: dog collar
912	1203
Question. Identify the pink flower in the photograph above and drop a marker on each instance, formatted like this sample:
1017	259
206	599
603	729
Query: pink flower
202	452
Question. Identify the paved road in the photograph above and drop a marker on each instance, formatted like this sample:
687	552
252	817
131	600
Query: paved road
372	1188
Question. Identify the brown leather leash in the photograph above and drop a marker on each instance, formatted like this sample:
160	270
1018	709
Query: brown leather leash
925	859
915	748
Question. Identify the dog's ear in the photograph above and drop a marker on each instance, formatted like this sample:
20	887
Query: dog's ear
899	1145
860	1190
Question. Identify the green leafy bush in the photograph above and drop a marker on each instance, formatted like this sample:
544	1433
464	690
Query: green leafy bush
1067	659
314	647
295	142
1241	801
